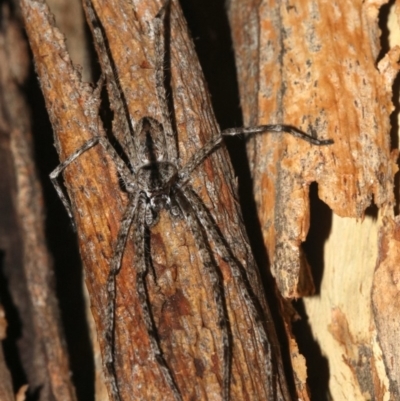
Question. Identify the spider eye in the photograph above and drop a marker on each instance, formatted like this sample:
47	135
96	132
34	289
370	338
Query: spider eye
130	186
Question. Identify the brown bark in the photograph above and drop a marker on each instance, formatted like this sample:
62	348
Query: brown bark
307	75
71	22
182	303
27	264
6	390
319	64
316	65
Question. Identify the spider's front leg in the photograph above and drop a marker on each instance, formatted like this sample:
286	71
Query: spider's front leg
198	157
160	51
54	175
122	127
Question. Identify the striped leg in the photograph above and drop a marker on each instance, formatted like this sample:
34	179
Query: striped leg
141	271
54	175
215	280
115	267
198	157
240	278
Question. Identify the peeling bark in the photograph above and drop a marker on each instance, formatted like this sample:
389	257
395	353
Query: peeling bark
315	65
319	66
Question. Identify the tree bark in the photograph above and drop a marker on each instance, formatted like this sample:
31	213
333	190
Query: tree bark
182	303
27	269
320	66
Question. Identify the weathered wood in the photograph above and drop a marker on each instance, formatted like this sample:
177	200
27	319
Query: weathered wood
320	65
6	390
182	304
38	340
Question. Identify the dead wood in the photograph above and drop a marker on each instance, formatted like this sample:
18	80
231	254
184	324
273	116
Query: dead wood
319	66
182	304
28	268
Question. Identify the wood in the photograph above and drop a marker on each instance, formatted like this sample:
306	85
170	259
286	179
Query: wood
320	64
40	350
6	390
310	64
182	305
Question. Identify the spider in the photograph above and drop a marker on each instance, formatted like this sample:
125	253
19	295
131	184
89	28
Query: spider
154	180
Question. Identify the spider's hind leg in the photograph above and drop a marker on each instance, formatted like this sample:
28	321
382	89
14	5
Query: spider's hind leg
141	265
115	267
193	219
241	282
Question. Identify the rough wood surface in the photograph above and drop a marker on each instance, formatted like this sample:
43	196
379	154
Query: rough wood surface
6	389
71	22
320	65
27	267
313	65
299	61
182	304
386	307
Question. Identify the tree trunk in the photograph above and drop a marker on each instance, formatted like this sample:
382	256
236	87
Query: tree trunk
320	66
179	289
325	68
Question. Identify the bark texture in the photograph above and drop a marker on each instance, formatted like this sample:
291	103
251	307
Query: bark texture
27	266
324	67
320	66
182	303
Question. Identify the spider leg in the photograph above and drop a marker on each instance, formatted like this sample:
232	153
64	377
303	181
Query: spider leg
276	128
186	206
115	266
54	175
239	276
141	271
198	157
99	86
59	169
122	125
159	34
